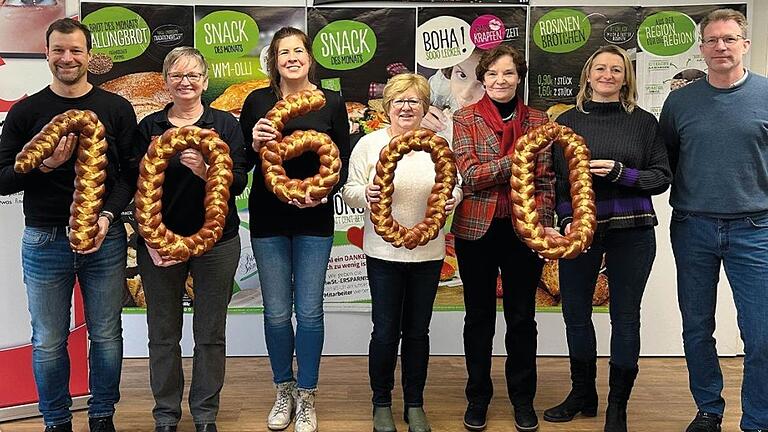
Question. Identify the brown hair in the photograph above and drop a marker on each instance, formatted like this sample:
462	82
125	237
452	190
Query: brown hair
274	74
489	57
401	83
67	26
724	15
628	93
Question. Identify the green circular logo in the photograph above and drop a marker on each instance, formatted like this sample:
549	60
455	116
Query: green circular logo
117	32
667	34
562	31
344	45
225	35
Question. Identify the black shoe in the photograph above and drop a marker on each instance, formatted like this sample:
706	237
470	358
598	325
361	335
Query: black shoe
705	422
475	416
205	427
64	427
101	424
525	419
583	396
167	428
616	417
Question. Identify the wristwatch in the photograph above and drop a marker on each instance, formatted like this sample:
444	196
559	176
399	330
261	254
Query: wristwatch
107	214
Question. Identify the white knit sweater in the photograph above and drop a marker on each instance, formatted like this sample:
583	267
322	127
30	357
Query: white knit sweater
414	178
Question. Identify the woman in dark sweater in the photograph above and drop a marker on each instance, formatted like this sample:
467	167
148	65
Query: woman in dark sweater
186	77
292	242
629	164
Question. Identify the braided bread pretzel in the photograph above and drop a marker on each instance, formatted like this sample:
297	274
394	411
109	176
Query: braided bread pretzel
274	152
525	217
445	180
90	169
150	190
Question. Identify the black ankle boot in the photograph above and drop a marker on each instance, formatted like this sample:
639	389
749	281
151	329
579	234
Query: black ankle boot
621	381
583	396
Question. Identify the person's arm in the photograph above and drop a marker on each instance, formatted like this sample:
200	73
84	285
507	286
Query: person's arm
248	117
669	135
126	139
358	177
12	140
476	175
654	178
340	136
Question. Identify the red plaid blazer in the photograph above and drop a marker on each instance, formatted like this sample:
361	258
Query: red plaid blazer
485	174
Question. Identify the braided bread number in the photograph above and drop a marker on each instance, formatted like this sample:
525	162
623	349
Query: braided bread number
90	169
445	180
274	152
524	214
169	245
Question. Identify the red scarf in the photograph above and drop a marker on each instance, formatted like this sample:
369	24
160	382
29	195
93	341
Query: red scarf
510	130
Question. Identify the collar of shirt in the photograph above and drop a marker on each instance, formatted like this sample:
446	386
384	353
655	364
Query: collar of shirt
205	121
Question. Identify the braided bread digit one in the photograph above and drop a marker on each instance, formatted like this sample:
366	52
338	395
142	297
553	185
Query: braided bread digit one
273	153
90	169
150	191
445	180
524	214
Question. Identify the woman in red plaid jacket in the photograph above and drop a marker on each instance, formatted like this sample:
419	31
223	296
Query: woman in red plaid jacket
486	243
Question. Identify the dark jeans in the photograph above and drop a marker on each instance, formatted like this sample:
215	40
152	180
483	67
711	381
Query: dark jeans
402	294
479	264
213	274
629	255
701	245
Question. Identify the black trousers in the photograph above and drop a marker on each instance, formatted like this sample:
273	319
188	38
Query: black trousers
479	264
402	294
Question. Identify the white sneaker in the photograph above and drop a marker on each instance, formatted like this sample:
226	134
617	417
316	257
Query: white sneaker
306	418
282	411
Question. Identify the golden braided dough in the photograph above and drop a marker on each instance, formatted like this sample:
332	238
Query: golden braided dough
90	169
524	214
274	152
150	190
445	180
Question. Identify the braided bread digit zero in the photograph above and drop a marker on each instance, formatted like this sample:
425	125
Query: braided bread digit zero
90	169
524	214
150	190
445	180
274	152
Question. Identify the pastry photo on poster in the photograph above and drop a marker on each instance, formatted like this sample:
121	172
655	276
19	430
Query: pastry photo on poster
23	24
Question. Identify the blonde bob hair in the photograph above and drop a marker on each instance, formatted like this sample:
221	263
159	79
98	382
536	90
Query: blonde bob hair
403	82
628	92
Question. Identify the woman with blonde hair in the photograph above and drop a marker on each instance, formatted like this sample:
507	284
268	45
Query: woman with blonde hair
629	164
403	282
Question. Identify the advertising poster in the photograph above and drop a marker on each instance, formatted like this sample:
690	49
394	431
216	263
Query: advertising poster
22	33
669	57
449	43
129	45
561	41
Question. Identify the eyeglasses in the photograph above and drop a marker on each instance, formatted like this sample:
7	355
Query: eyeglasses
193	77
400	103
728	40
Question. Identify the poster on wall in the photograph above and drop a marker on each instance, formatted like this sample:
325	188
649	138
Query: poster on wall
22	33
129	45
449	43
561	41
669	57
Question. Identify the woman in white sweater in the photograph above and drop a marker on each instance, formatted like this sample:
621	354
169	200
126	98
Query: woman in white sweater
403	282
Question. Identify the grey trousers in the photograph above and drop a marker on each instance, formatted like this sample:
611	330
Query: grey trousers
213	274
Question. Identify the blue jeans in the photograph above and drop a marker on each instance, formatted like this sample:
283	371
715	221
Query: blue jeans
700	245
629	255
50	268
402	294
292	275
